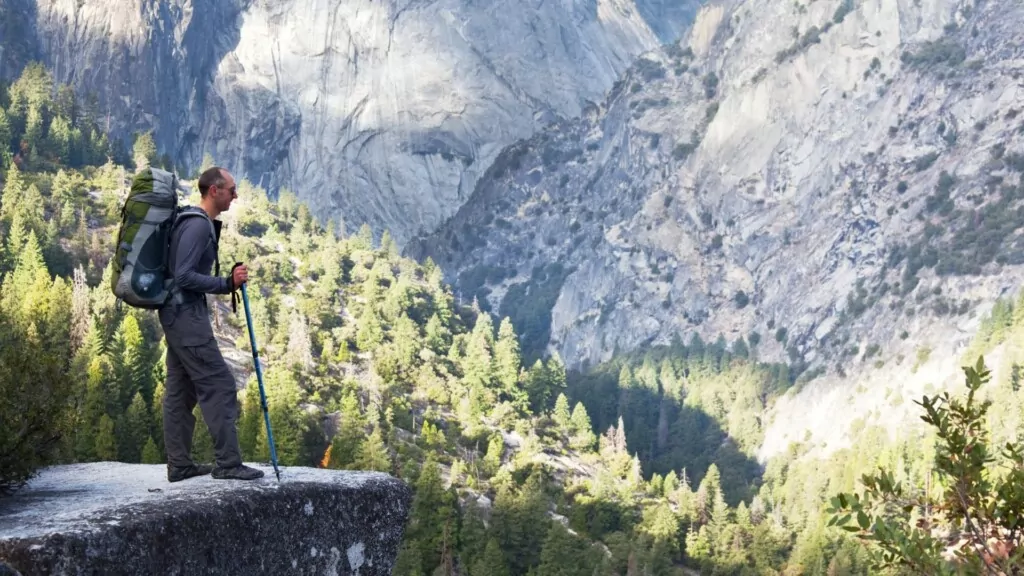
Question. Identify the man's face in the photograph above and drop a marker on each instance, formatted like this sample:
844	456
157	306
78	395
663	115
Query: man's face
224	195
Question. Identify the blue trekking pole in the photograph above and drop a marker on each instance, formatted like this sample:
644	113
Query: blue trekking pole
259	378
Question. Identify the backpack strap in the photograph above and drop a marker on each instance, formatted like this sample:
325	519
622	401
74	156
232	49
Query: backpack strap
177	296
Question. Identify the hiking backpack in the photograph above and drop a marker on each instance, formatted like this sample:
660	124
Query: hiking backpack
142	277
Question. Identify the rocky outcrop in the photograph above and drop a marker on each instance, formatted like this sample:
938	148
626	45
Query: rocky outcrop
378	112
834	180
111	518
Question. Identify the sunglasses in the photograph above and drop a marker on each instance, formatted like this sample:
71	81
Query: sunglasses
233	190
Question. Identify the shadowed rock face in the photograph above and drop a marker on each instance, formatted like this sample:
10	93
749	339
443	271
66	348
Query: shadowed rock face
110	518
378	112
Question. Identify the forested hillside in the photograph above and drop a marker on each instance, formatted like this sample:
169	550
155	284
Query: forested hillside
643	465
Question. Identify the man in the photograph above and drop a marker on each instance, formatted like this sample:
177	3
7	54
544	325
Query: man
195	368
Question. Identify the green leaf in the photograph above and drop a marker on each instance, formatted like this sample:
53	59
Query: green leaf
862	519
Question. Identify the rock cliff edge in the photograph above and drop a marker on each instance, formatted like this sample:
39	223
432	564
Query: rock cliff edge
111	518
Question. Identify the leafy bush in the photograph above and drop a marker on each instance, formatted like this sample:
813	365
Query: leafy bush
973	525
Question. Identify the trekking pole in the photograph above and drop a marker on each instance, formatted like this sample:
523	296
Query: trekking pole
259	379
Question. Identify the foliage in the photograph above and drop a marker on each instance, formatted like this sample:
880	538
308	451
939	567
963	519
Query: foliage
970	522
372	363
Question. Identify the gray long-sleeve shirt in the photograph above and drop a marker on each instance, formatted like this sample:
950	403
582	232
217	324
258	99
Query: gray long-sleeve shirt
192	256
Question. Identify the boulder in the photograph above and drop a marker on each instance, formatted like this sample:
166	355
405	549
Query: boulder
113	518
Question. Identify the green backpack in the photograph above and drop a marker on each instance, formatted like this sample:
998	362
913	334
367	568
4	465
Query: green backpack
142	277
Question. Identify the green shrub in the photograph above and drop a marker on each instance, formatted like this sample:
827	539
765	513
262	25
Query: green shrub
972	492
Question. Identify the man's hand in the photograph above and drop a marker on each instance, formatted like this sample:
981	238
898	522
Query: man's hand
239	275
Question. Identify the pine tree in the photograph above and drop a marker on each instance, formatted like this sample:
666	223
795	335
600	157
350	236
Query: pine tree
14	189
583	434
698	544
131	368
671	484
506	365
431	507
157	404
620	437
561	413
408	562
202	441
477	366
60	139
473	535
289	422
520	523
300	348
438	338
80	313
495	449
5	140
11	248
25	287
406	339
251	420
537	387
105	447
491	562
151	454
346	442
207	163
34	131
32	207
563	554
373	454
363	239
133	431
370	334
144	151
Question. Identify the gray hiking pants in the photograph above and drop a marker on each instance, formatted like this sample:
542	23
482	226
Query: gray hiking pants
196	372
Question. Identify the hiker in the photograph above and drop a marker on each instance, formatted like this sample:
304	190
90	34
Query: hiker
196	370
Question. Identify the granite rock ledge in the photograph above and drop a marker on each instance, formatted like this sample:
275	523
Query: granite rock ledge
113	518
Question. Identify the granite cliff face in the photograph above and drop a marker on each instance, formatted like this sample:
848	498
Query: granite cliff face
837	181
378	112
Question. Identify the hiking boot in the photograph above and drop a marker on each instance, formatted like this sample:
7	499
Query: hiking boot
179	473
240	472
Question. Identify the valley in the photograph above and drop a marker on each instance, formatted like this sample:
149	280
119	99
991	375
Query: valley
643	310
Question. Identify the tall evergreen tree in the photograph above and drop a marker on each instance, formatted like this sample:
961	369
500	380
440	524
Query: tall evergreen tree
431	509
131	367
144	151
5	141
133	431
14	189
583	437
506	365
150	453
105	447
345	445
373	454
491	562
561	413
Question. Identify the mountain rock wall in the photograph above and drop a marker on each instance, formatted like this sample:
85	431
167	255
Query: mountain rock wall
372	112
836	183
